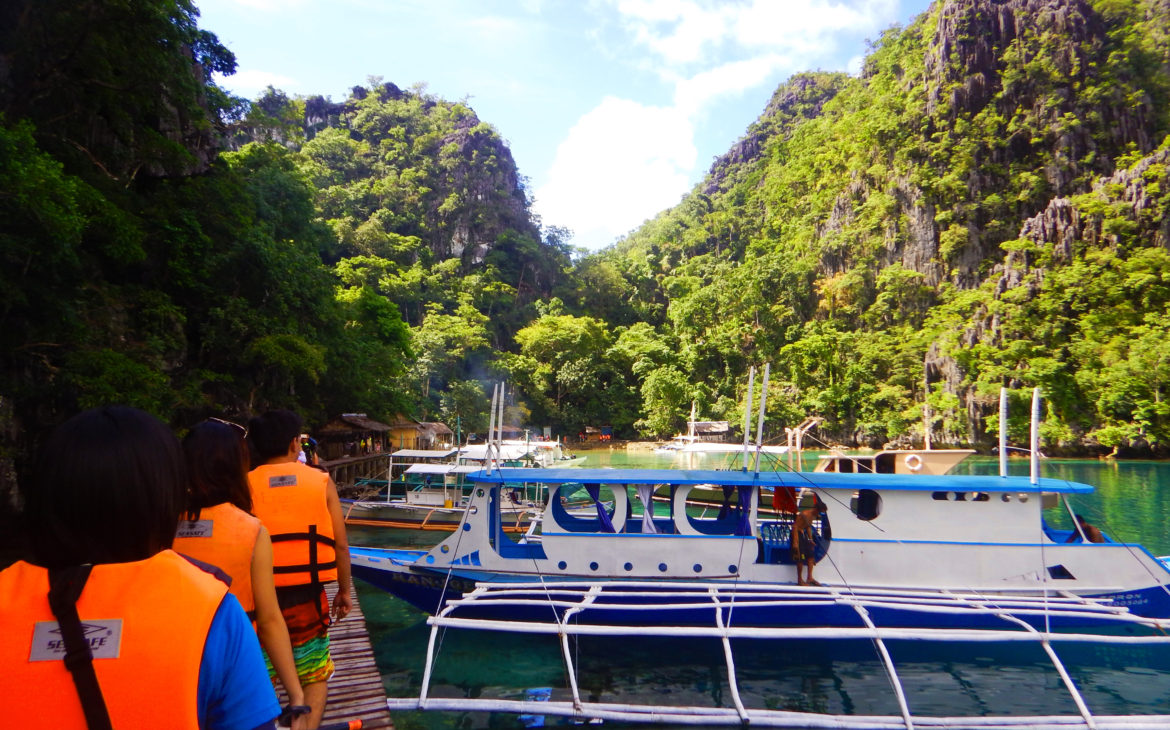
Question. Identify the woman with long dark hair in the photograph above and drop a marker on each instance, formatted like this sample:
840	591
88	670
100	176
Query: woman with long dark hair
219	529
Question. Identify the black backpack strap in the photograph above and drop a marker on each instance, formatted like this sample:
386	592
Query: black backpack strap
210	569
65	586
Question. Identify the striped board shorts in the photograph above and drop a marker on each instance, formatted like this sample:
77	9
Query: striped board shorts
308	628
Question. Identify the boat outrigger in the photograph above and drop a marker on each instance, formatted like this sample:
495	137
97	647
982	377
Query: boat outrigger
947	559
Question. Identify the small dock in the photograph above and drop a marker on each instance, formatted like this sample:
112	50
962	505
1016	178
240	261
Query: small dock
355	691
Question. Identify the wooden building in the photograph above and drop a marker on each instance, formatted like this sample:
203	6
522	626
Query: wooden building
716	431
407	433
352	434
439	436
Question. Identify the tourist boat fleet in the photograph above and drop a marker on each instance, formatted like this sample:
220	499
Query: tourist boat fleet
899	556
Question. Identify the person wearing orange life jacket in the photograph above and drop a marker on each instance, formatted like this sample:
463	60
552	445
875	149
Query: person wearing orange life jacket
219	529
105	626
299	506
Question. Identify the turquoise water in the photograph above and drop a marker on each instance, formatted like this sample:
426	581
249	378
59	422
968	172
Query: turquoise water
1132	503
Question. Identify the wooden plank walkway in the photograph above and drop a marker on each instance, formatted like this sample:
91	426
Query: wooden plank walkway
356	690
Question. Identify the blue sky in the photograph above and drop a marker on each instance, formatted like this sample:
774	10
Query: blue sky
613	109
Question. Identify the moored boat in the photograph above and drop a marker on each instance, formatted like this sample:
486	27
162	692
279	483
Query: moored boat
986	535
946	561
435	497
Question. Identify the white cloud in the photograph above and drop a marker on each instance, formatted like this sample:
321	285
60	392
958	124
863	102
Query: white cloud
693	94
250	82
621	163
682	32
677	30
624	162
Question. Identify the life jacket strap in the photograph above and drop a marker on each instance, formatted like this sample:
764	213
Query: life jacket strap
306	568
314	566
312	536
65	586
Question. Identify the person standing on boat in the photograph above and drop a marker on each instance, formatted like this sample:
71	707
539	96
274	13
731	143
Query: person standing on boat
804	541
1091	533
107	626
299	506
219	529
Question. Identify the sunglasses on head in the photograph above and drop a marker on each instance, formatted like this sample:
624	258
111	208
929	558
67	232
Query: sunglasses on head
243	431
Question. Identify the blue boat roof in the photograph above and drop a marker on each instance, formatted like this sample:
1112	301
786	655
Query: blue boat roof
825	480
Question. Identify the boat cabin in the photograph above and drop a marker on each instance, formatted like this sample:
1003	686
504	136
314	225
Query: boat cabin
637	523
894	461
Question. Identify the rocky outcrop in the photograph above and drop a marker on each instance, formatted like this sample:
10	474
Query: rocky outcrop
1027	63
801	97
1128	193
919	252
966	63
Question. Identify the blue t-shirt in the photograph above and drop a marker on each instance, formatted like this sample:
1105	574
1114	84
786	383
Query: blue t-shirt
234	690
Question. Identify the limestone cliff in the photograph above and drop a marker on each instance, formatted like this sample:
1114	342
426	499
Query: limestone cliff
984	153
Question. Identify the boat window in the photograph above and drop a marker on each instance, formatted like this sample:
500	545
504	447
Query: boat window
962	496
660	519
1059	572
866	504
574	509
1006	497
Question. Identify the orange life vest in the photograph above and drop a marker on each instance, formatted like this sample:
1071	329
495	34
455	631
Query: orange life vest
146	621
784	499
224	536
290	499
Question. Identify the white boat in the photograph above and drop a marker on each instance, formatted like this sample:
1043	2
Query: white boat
694	442
948	559
943	559
935	462
542	453
435	498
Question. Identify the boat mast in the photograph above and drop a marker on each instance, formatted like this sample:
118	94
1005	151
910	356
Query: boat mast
760	421
500	429
747	417
487	449
1003	432
1035	445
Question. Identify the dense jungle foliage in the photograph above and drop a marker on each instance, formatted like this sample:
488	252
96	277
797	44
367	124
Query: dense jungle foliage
983	206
